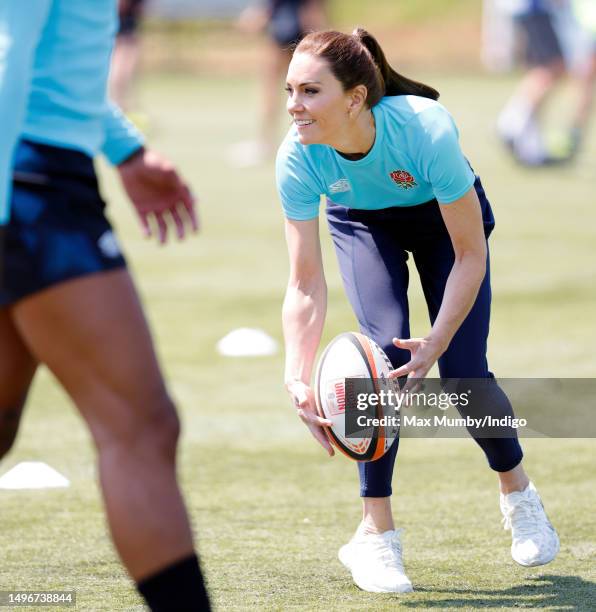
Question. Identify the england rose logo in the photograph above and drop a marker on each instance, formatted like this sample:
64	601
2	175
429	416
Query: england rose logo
403	179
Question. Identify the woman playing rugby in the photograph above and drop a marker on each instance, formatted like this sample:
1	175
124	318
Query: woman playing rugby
386	156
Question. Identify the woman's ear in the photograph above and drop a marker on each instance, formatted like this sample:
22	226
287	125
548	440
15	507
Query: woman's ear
357	99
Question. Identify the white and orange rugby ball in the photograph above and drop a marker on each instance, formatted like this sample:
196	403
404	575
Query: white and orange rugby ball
353	355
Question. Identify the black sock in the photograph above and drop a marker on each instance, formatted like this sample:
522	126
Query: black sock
176	588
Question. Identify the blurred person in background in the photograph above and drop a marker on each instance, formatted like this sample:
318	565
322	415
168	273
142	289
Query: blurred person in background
285	23
556	45
125	59
66	297
498	37
584	12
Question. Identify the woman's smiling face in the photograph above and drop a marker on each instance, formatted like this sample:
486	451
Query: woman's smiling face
316	100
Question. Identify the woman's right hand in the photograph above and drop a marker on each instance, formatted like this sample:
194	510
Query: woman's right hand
303	399
159	195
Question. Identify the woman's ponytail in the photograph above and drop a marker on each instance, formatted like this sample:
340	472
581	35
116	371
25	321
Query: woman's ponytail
358	59
395	84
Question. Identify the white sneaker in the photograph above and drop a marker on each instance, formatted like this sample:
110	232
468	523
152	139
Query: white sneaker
375	562
534	539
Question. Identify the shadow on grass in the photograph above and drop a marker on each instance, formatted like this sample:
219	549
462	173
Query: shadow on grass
548	591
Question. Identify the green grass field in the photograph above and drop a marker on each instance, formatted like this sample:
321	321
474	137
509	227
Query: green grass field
270	509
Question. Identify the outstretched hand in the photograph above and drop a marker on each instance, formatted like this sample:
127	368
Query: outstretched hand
424	352
160	197
303	399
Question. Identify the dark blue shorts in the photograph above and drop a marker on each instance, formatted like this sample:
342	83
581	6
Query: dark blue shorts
542	42
58	230
285	27
129	17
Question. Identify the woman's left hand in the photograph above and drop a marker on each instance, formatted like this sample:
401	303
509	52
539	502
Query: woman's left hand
424	352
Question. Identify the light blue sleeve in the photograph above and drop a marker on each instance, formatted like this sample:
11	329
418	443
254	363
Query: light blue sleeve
122	138
21	24
298	188
439	156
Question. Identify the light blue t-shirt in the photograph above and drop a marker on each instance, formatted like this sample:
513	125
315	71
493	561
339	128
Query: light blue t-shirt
54	65
415	157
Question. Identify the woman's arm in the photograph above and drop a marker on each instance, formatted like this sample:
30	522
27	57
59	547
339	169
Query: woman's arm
463	219
305	302
303	315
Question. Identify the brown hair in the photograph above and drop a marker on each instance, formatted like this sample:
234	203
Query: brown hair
357	59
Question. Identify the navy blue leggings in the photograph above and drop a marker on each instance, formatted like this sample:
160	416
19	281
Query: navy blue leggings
372	249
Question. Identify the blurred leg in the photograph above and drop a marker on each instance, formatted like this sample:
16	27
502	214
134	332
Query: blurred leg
17	368
544	54
92	334
520	112
313	16
585	84
275	69
518	121
539	82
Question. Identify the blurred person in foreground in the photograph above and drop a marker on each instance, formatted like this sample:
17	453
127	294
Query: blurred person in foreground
66	297
285	22
556	45
387	157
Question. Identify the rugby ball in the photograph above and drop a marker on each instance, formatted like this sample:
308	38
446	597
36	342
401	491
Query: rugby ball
353	355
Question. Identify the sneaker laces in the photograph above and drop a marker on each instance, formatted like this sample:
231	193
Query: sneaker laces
524	515
391	552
